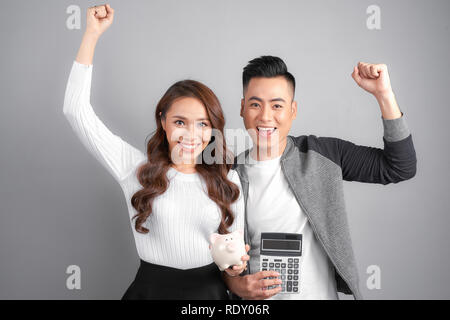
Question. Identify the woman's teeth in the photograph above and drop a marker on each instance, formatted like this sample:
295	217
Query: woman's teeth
189	146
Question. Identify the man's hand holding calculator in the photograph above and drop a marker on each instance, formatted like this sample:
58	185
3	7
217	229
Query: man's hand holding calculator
254	286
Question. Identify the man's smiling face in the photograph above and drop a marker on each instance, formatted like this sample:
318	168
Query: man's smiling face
268	110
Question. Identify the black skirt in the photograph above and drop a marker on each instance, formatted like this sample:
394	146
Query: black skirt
158	282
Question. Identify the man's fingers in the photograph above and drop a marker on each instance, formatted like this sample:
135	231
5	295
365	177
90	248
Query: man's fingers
257	285
365	70
362	70
271	292
374	70
269	282
369	70
264	274
355	74
267	293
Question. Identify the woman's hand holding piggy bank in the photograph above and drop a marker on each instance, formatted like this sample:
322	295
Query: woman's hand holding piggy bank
229	252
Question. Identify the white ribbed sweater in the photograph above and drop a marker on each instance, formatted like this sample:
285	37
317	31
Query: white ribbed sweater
182	218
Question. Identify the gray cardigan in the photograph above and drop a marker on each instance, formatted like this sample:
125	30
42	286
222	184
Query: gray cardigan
315	168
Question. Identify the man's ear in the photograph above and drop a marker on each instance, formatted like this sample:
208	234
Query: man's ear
294	108
242	107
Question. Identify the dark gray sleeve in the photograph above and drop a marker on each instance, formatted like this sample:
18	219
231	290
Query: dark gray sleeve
396	162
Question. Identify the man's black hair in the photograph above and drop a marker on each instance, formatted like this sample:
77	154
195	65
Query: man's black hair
266	67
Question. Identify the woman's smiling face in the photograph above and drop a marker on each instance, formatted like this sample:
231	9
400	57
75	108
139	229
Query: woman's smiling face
188	130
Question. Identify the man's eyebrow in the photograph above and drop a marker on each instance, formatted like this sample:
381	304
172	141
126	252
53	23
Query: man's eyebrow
255	98
261	100
277	99
184	118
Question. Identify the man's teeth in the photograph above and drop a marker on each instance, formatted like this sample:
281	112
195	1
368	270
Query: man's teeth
265	129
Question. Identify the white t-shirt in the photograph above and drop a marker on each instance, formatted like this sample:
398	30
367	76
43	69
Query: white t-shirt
272	207
183	217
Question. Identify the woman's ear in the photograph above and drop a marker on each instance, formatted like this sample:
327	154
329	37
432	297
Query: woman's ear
163	122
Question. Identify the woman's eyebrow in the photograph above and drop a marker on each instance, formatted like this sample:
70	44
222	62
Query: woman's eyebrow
184	118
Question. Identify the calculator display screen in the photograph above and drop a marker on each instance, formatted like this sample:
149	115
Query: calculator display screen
281	245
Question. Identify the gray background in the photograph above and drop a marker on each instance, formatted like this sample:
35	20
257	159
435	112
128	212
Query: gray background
59	207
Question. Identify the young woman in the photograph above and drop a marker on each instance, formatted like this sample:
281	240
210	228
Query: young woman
175	200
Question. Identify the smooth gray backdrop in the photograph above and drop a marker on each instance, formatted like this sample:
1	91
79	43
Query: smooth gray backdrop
59	207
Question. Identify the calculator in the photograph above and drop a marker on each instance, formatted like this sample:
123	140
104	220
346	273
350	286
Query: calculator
282	252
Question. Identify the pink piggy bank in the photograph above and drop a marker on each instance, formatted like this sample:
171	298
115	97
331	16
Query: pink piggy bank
227	249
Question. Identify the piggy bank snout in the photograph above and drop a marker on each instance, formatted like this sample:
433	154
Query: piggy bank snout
231	247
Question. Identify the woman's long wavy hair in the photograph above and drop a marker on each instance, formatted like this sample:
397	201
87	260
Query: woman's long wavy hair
152	174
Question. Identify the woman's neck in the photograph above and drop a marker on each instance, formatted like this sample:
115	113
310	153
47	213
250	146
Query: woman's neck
184	168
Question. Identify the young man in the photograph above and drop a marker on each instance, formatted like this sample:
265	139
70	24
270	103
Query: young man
295	184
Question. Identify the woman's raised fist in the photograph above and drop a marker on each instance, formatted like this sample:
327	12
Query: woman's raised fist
98	19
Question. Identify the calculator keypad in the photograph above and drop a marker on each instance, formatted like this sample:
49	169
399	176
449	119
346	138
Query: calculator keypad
288	268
